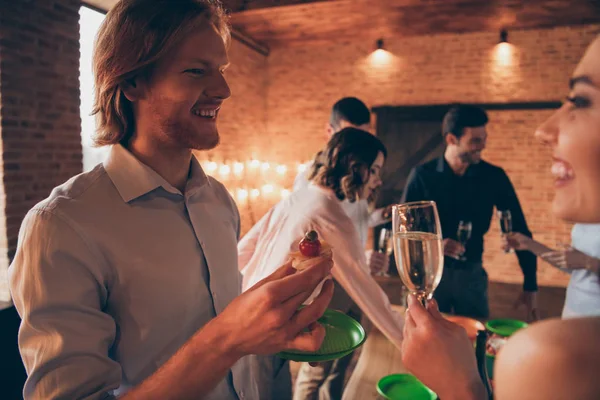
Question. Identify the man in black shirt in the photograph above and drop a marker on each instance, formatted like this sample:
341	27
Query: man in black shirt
466	188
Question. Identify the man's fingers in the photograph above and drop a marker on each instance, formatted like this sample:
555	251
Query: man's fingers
434	311
301	281
285	270
309	341
418	313
313	311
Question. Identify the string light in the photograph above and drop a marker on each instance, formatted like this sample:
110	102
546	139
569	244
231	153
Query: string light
238	168
281	169
268	188
242	194
224	170
211	166
255	173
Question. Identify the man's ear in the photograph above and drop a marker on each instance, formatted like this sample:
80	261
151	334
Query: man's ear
133	88
329	131
451	139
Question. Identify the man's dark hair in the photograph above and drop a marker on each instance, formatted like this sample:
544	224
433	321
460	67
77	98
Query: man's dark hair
349	109
463	116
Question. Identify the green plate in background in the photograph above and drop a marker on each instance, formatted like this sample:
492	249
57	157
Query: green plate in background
343	335
505	327
404	387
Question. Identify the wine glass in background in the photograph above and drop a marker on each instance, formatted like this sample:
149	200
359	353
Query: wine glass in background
385	246
418	247
463	235
505	218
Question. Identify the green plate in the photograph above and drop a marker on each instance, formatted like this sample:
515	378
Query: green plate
404	387
505	327
343	335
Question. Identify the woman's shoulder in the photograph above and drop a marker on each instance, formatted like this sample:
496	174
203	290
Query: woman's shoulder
557	357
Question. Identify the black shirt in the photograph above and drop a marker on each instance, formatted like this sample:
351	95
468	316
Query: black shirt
471	197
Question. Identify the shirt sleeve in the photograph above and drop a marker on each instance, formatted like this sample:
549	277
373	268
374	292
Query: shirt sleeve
301	180
414	190
376	218
508	200
59	287
352	272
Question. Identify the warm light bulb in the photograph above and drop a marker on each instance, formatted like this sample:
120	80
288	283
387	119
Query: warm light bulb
284	193
224	170
281	169
380	57
268	188
238	168
265	166
254	164
301	167
242	194
211	166
504	54
254	193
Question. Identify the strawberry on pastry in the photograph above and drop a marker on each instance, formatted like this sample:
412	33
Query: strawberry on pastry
311	251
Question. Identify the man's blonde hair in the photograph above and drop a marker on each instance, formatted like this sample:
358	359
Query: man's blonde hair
133	37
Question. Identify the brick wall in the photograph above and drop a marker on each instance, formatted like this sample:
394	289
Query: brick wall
40	123
305	80
280	104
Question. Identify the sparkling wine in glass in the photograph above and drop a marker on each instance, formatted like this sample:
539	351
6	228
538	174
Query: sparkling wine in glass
505	224
418	247
463	235
385	246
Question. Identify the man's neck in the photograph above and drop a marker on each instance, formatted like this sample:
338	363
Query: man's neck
173	164
459	167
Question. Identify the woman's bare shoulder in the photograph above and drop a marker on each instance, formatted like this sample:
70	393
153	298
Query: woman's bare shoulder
553	359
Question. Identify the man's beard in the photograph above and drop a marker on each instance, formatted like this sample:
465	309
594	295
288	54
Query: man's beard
187	137
470	158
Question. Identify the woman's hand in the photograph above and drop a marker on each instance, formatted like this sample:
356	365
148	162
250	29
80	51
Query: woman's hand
439	353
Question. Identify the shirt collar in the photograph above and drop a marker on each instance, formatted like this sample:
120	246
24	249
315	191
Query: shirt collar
444	167
133	179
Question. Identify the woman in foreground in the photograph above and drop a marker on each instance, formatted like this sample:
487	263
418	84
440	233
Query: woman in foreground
554	359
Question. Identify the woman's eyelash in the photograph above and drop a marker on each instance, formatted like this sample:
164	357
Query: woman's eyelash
578	101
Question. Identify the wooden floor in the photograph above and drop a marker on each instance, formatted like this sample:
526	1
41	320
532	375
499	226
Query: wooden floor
502	297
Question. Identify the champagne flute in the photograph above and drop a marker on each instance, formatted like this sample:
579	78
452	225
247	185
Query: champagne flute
464	234
385	246
418	247
505	218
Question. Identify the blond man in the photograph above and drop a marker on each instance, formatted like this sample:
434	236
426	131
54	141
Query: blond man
126	277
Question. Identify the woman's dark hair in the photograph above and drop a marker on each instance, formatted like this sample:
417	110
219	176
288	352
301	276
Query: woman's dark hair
345	160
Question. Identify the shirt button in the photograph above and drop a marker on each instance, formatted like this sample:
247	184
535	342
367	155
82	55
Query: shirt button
241	394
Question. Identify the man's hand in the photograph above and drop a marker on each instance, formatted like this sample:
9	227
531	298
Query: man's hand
378	262
571	258
529	300
439	353
386	213
516	241
453	249
266	319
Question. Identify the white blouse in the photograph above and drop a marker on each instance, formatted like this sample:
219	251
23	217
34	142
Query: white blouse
268	244
583	292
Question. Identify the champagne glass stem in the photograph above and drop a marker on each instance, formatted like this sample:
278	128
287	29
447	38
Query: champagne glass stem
422	297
